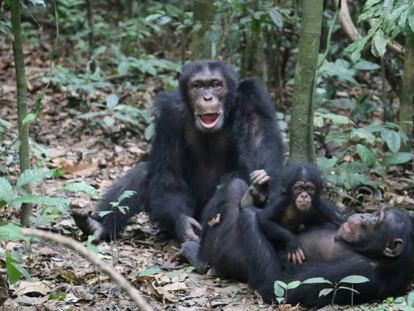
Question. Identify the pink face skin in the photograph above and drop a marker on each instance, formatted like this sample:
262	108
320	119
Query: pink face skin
302	194
358	225
208	90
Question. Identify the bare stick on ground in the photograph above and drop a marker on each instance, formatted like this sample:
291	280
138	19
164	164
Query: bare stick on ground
103	266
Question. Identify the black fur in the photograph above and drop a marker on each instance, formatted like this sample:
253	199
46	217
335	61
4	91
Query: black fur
186	165
237	248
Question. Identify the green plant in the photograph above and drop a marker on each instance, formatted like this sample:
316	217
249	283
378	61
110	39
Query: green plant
361	153
137	119
389	19
12	259
281	288
116	206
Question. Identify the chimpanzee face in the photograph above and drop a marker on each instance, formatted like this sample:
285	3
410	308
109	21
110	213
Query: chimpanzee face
380	232
207	92
303	193
359	226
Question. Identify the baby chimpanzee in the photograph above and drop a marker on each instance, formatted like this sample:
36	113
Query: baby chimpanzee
300	203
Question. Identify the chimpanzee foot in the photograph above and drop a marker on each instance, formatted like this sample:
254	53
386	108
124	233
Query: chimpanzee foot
189	250
88	225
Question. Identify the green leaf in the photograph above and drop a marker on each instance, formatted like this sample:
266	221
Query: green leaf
6	190
293	284
150	271
325	292
15	270
32	175
123	68
81	187
349	289
108	121
410	297
379	46
61	203
392	139
149	132
362	64
317	280
11	232
397	158
104	213
29	118
354	279
281	284
278	290
366	155
411	20
111	101
276	17
125	195
335	118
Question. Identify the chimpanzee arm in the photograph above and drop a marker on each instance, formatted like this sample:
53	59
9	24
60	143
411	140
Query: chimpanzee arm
170	200
276	233
330	213
258	136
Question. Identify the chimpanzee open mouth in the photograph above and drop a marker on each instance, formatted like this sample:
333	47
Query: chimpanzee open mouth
209	120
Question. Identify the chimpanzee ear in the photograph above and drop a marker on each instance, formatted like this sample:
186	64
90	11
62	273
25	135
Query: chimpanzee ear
394	248
178	75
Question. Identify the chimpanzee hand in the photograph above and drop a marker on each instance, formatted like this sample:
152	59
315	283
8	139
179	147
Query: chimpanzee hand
294	253
259	178
186	228
258	189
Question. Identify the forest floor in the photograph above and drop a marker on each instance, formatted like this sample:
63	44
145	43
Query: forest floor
60	278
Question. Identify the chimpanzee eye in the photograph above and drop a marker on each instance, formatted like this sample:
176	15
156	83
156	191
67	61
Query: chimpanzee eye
197	85
216	84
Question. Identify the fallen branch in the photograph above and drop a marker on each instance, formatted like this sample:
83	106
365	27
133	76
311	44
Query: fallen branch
353	33
103	266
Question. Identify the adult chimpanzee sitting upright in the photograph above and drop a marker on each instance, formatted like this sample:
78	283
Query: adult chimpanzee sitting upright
379	246
211	126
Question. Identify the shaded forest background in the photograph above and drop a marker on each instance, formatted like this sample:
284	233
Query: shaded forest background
91	70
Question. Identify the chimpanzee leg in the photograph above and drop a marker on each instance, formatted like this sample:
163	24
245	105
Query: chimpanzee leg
109	221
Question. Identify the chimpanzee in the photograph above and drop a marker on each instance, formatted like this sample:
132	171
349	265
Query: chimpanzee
209	127
300	203
379	246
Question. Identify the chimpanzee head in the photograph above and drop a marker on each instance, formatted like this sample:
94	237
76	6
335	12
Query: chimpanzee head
385	233
303	184
209	91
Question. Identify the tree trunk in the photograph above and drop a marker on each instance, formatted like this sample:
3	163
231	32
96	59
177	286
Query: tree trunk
301	147
407	92
203	13
24	156
91	33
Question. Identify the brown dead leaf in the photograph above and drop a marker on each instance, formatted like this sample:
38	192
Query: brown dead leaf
46	251
83	168
175	286
38	288
69	276
214	221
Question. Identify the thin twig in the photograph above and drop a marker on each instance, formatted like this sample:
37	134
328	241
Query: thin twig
103	266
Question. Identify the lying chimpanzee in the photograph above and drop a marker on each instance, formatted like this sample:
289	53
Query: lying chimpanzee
378	246
210	127
300	203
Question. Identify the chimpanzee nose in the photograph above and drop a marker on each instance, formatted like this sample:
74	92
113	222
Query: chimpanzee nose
208	97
